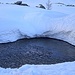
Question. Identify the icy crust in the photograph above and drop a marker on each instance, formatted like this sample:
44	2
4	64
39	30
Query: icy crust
18	22
67	68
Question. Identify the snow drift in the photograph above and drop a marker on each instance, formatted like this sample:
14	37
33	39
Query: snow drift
18	22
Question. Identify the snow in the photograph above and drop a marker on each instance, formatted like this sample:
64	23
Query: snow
18	22
35	22
63	8
67	68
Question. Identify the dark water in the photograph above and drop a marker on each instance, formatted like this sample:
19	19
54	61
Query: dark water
35	51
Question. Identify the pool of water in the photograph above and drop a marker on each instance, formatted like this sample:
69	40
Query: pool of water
35	51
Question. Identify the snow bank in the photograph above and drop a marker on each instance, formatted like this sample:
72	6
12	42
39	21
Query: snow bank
67	68
18	22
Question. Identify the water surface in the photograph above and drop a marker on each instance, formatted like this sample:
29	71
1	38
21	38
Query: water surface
35	51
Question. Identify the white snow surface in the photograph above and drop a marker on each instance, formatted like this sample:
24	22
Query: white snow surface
67	68
18	22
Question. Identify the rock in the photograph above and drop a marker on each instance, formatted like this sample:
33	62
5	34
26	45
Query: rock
18	2
7	3
24	4
71	5
41	6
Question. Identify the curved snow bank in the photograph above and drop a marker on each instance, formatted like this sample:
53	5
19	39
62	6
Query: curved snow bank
18	22
67	68
11	35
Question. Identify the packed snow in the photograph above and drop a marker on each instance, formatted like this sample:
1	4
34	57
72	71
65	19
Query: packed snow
58	69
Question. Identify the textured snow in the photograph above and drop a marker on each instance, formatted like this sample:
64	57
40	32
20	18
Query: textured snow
18	22
67	68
